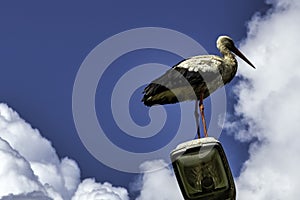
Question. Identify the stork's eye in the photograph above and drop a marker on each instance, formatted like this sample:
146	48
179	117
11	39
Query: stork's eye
229	44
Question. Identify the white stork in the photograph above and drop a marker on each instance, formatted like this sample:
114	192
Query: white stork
204	74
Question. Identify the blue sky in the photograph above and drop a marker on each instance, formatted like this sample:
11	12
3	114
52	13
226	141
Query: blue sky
43	44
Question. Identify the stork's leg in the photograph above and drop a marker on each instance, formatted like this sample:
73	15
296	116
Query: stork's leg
197	119
201	106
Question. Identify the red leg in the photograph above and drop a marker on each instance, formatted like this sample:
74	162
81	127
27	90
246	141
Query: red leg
201	106
197	119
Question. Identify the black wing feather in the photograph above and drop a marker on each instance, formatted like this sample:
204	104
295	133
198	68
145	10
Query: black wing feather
173	78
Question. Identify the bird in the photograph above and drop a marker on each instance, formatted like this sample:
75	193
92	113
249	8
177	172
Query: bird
195	78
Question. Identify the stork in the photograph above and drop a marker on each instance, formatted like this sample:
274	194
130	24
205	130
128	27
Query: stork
204	74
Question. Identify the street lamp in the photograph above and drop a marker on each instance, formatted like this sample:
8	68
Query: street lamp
202	170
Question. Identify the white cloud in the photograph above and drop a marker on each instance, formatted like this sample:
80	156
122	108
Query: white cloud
89	189
39	155
30	168
268	103
16	176
158	184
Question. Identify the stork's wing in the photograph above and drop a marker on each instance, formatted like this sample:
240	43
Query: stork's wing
190	72
203	63
200	69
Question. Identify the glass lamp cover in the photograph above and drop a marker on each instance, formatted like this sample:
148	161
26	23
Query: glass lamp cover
202	170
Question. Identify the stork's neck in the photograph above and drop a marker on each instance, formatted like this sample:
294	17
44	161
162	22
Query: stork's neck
229	57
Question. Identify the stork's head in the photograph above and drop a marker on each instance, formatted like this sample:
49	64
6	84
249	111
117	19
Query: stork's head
225	43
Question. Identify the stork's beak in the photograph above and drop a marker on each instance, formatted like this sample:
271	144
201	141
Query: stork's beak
238	53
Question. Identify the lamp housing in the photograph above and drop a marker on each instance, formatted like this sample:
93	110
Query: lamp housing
202	170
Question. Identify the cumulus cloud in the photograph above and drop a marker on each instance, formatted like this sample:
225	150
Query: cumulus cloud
30	168
158	184
268	105
89	189
16	176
